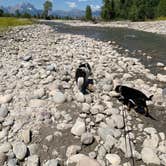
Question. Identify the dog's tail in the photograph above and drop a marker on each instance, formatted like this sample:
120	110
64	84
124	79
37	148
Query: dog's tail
150	97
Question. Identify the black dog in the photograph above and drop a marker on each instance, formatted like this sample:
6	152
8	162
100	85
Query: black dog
133	98
82	73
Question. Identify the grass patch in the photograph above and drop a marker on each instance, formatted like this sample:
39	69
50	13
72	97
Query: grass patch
7	22
161	18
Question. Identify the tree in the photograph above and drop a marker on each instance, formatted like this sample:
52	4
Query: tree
47	7
162	8
105	10
1	12
88	13
17	13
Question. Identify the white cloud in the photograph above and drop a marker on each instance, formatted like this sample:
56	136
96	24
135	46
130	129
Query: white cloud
95	7
71	4
82	0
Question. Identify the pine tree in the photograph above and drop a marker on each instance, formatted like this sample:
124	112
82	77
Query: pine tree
1	12
88	13
162	8
105	10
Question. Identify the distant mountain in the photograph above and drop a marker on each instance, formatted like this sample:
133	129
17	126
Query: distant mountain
29	8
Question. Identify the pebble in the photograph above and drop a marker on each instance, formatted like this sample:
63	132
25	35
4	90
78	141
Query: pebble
26	136
87	138
33	160
72	150
52	162
80	97
20	150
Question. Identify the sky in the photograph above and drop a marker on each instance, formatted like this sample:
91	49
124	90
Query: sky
57	4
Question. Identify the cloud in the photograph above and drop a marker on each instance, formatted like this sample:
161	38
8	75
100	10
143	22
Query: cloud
71	4
95	7
82	0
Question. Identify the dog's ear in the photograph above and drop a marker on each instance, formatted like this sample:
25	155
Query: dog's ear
118	88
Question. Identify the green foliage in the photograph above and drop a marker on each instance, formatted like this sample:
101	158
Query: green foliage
47	7
1	12
162	8
88	13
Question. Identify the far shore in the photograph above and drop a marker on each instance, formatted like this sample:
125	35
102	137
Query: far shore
158	27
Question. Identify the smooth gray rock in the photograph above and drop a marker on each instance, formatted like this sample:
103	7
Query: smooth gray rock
33	160
20	150
53	162
59	97
3	111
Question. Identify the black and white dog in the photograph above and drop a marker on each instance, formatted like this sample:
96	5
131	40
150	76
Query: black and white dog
81	76
133	98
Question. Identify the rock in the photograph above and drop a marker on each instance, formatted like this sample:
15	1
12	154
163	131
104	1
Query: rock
12	162
3	111
78	128
116	121
86	138
161	77
33	160
107	88
163	159
51	67
85	107
162	147
33	149
53	162
5	147
109	143
99	118
27	58
159	64
6	99
3	158
49	138
72	150
92	155
151	142
20	150
59	97
81	160
150	130
103	132
36	103
149	156
113	159
80	97
3	133
38	94
26	136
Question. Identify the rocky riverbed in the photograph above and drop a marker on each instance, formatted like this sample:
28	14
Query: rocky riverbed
45	120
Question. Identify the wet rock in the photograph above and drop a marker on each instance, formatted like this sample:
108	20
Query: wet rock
20	150
78	128
86	138
149	156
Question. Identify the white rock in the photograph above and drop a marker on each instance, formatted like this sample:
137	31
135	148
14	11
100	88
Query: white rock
118	121
152	141
5	99
159	64
5	147
163	159
113	159
80	97
33	160
149	156
78	128
20	150
26	136
39	93
53	162
59	97
72	150
150	130
161	77
85	107
86	138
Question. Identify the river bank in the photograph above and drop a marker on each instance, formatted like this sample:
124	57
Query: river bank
158	27
45	120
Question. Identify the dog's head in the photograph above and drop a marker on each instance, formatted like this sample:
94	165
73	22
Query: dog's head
118	88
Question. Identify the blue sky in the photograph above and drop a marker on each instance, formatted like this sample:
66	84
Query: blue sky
57	4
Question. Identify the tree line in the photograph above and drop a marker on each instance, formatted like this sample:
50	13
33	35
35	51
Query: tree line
135	10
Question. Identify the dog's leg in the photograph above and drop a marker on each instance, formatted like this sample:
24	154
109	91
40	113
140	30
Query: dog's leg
146	111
